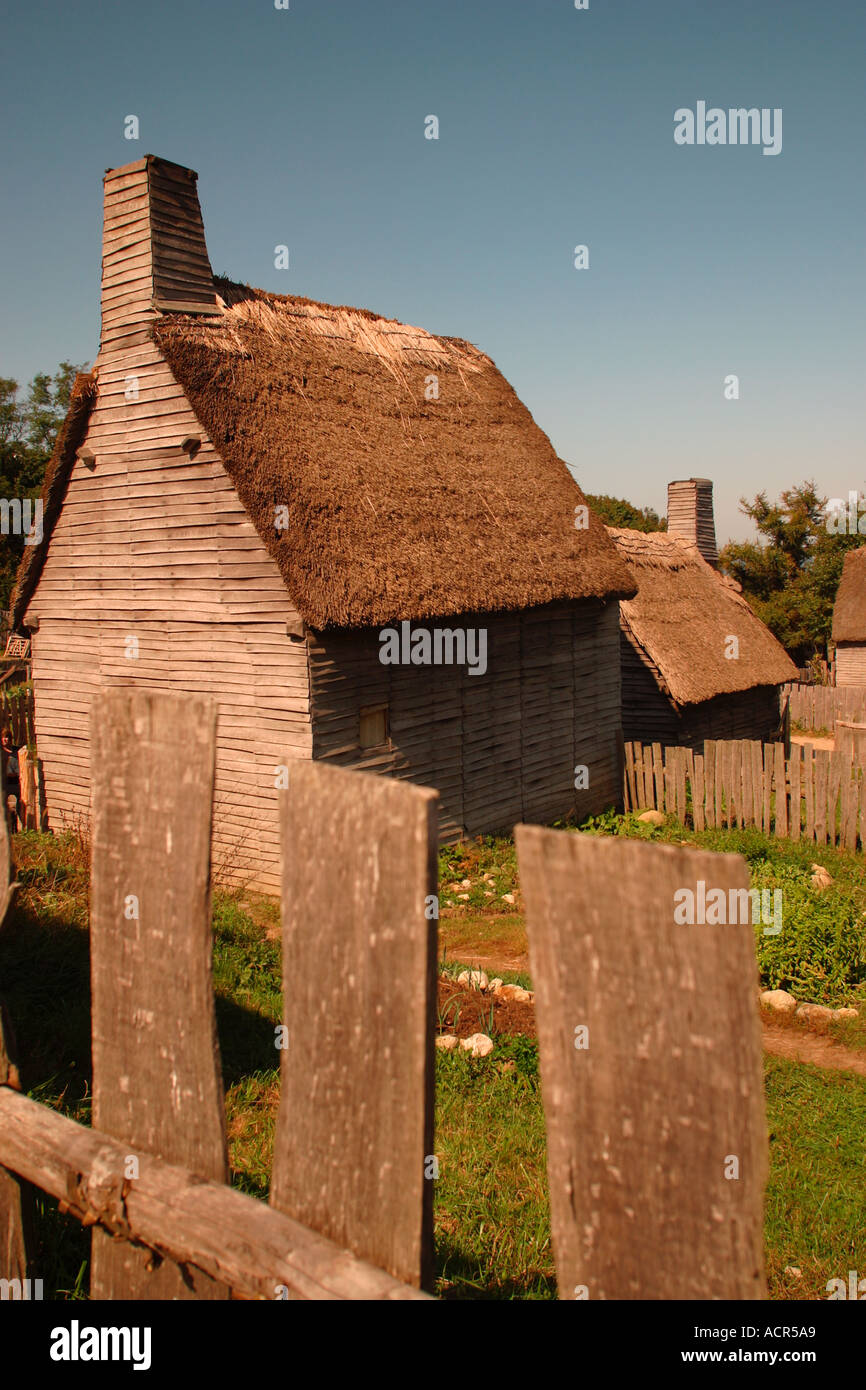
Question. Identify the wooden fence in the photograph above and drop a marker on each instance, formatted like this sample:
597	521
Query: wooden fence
811	795
16	711
351	1203
819	706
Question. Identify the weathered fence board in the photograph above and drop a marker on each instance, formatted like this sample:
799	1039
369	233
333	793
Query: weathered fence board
13	1200
812	794
795	763
157	1083
818	707
657	1148
355	1123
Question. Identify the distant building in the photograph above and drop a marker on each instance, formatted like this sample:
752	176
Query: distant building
849	620
697	663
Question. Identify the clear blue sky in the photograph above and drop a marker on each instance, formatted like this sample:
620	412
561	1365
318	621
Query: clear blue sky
306	127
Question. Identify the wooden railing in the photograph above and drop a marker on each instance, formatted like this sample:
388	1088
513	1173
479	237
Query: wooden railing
812	795
350	1213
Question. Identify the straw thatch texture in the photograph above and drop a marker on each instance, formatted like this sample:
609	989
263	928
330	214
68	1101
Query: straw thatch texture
684	613
398	506
849	613
58	469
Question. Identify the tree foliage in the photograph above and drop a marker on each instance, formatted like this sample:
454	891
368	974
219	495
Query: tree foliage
28	429
616	511
790	575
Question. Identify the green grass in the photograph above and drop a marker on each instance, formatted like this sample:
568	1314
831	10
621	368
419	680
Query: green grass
491	1207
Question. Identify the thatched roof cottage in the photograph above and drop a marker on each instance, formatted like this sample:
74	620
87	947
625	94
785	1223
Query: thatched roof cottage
849	620
697	662
263	498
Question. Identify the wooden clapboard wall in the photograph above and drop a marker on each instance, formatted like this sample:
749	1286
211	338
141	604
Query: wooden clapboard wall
851	663
499	747
155	545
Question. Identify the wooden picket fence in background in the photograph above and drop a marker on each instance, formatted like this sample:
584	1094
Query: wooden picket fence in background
812	795
16	711
819	706
351	1202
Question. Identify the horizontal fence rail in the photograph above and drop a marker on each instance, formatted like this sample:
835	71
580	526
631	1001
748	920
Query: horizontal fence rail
812	795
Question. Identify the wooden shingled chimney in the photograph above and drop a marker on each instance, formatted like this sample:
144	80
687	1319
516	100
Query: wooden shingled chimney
154	255
690	515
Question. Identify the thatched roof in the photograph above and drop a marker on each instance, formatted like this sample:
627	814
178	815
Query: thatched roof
849	613
398	506
684	613
58	469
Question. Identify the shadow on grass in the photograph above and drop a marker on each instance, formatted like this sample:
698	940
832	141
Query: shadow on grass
459	1278
45	987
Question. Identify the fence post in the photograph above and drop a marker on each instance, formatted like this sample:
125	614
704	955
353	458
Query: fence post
657	1143
157	1084
353	1156
13	1222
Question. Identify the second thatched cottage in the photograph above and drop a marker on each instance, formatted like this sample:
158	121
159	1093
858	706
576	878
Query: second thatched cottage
262	498
697	662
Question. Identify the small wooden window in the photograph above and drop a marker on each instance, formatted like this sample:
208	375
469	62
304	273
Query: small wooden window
374	726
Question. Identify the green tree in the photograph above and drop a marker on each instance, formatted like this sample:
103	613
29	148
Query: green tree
616	511
28	429
791	576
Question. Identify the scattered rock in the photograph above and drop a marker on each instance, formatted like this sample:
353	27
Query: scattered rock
515	992
846	1013
488	892
652	817
473	979
818	1012
478	1045
463	896
794	1271
779	999
508	897
820	877
447	1041
466	883
495	985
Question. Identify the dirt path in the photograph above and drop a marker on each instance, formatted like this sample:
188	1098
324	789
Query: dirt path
826	744
815	1048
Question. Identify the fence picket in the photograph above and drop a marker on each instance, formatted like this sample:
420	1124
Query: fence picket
13	1201
821	778
781	785
600	921
698	792
808	773
157	1084
355	1123
710	781
794	764
834	787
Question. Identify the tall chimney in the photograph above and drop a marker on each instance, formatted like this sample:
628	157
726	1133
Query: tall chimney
154	256
690	515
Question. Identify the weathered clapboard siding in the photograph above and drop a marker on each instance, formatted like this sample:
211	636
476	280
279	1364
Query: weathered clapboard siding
650	716
501	747
154	546
851	663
